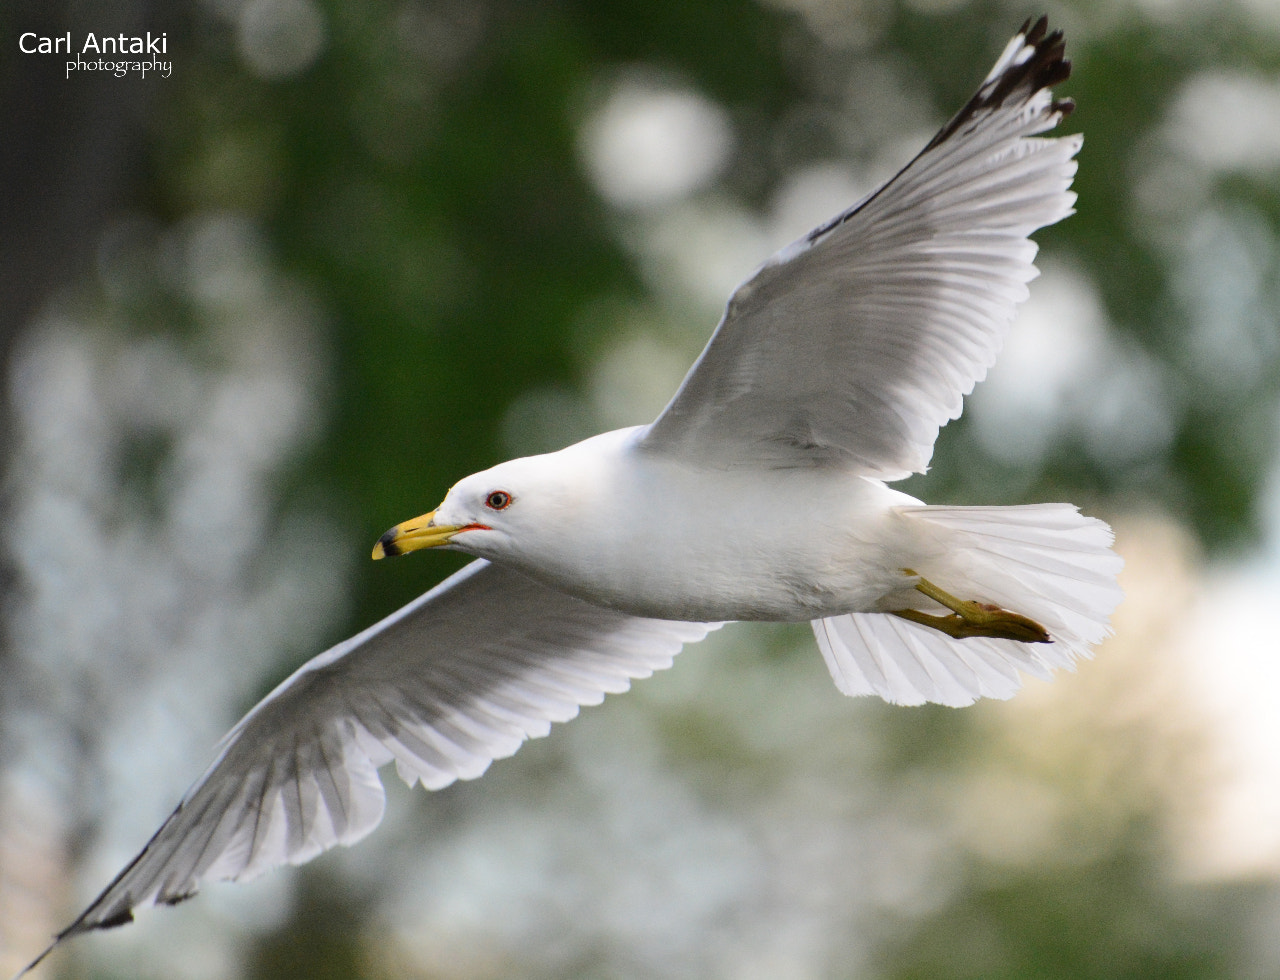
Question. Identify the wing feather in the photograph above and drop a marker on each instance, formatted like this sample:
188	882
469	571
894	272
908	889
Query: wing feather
457	678
856	344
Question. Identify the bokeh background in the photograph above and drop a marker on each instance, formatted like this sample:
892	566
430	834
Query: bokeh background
255	312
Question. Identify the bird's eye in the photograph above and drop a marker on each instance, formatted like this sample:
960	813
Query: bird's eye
498	500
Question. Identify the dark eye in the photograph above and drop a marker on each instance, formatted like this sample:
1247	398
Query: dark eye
498	500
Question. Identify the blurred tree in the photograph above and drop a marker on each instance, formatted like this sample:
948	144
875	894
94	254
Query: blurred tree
416	169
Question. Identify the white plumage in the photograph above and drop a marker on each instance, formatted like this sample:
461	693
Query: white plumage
758	493
1047	561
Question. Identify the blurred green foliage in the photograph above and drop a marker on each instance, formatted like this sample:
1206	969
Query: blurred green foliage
423	181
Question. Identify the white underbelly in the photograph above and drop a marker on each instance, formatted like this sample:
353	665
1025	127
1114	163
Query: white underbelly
802	547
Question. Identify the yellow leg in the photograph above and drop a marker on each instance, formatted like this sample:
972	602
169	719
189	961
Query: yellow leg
973	618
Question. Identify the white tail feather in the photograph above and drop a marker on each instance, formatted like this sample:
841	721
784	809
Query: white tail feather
1045	561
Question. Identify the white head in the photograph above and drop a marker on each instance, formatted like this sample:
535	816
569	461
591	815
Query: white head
480	514
515	509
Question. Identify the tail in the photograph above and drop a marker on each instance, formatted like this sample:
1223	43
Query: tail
1045	561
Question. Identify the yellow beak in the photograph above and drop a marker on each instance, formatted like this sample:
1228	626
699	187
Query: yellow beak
421	532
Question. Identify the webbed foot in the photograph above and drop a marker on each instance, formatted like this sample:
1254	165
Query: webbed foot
971	618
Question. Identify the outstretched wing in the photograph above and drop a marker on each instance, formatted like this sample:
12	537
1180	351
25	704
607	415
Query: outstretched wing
457	678
854	345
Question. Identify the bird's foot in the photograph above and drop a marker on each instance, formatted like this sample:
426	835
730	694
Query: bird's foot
971	618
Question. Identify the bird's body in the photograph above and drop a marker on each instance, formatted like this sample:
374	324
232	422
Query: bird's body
661	537
759	493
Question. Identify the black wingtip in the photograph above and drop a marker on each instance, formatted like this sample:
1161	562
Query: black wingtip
1033	34
121	918
36	962
176	898
1045	67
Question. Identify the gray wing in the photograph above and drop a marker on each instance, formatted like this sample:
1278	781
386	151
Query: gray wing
856	344
457	678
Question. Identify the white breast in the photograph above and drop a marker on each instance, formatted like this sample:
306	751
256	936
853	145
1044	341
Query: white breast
655	537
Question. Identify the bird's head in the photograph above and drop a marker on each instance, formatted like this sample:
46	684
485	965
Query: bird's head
476	511
527	507
487	514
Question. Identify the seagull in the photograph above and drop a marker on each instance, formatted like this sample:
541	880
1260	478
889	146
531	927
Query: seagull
759	493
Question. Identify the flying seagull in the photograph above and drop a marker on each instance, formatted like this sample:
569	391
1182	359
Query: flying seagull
759	493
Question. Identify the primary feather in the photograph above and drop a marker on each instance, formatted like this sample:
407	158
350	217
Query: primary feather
423	688
855	344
